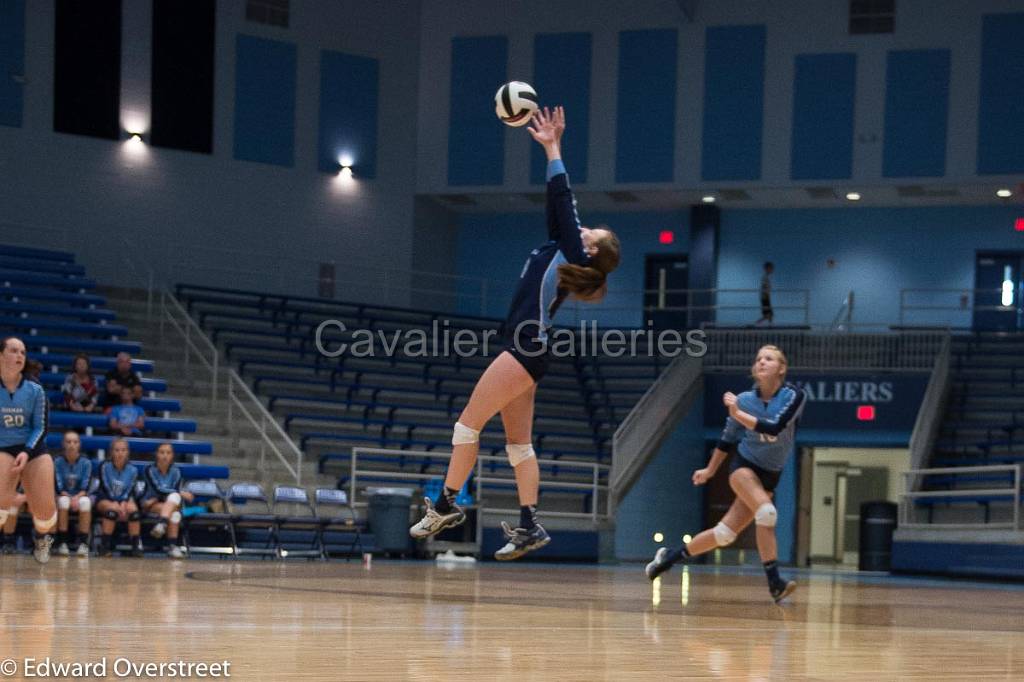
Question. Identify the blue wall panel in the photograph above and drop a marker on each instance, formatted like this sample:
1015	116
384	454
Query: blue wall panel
1001	105
476	138
733	103
265	101
561	75
348	112
916	113
645	126
823	97
12	61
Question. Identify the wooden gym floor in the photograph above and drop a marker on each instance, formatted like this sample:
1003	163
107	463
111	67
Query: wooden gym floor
418	621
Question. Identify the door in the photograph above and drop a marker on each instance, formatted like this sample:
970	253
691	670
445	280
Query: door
666	277
998	285
863	484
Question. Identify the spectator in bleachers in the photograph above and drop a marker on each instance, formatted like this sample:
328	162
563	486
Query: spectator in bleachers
120	377
116	499
79	389
33	368
127	419
74	474
164	496
8	539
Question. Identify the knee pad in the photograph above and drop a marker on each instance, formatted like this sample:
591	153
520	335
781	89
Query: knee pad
3	516
174	498
110	514
517	454
176	517
84	504
463	435
64	503
134	516
44	526
766	515
724	535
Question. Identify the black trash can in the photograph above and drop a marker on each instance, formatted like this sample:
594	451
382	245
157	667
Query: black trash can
877	524
389	519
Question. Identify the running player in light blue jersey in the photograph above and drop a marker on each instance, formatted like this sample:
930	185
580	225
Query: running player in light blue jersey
759	434
575	262
23	419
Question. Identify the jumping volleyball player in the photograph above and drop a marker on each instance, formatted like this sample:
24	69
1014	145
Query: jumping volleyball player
575	261
759	434
23	446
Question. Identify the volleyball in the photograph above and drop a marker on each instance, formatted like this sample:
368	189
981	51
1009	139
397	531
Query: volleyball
515	103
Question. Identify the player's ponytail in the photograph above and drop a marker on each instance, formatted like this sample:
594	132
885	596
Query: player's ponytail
590	282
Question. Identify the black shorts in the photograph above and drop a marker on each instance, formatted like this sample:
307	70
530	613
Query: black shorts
15	450
532	355
766	306
769	479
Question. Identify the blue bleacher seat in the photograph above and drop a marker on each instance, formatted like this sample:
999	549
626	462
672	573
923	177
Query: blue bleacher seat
38	254
56	380
64	420
33	325
137	445
8	293
20	278
98	364
81	345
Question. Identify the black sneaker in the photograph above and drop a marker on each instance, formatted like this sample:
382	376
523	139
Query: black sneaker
782	589
659	565
137	550
521	541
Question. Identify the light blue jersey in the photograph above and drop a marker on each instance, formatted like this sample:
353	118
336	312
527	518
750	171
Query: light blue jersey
23	418
72	478
160	484
770	442
117	485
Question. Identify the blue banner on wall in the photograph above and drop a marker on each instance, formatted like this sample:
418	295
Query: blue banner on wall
887	402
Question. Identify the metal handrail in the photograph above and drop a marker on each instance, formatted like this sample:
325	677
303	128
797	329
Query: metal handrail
480	479
265	419
911	477
964	305
650	421
929	415
191	331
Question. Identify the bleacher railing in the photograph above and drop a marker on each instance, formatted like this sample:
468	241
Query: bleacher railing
197	343
655	415
734	349
1008	493
945	307
933	407
241	398
362	475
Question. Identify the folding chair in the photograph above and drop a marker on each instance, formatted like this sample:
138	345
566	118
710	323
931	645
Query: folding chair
337	516
298	528
210	525
252	528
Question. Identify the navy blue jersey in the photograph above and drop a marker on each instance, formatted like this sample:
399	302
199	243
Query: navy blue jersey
770	442
115	485
23	418
537	295
72	478
162	484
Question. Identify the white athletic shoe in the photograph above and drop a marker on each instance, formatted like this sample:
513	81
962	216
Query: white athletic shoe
158	530
42	550
433	523
521	541
175	552
62	549
659	565
83	550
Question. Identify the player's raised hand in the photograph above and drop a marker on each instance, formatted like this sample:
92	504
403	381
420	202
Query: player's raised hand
548	126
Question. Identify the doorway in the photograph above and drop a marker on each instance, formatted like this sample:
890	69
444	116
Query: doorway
666	299
998	288
841	480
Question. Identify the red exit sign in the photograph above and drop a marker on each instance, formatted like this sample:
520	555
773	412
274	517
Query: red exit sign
1018	224
866	413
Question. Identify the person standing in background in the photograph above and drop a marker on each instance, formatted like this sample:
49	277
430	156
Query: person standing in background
767	314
